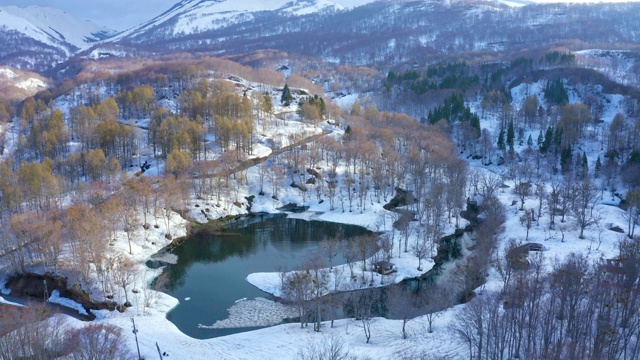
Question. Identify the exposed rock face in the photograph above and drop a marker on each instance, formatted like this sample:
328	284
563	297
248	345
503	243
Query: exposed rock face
402	198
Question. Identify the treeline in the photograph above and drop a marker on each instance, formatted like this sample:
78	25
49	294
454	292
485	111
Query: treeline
450	76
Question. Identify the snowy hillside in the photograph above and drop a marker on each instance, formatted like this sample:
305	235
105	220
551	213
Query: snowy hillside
619	66
194	16
52	26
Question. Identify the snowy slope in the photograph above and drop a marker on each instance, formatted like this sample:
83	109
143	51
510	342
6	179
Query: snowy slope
617	65
196	16
52	26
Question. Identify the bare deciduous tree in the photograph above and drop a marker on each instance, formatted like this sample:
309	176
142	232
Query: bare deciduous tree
585	196
329	348
98	342
297	287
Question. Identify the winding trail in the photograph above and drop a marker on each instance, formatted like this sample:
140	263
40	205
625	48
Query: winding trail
246	164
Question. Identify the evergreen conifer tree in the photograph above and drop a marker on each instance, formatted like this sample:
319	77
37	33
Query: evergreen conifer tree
501	144
566	157
475	122
286	97
585	165
510	135
548	137
540	140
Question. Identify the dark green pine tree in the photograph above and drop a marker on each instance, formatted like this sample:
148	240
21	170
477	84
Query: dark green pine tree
540	140
585	165
520	136
530	141
548	138
286	97
598	167
566	157
475	122
578	166
557	138
501	144
510	135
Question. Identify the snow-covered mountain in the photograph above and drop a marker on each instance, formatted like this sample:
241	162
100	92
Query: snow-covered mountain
357	32
197	16
369	32
36	36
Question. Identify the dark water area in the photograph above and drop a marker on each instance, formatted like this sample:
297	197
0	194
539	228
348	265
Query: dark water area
211	270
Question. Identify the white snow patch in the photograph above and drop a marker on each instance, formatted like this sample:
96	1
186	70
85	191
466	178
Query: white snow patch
165	257
347	101
7	73
31	84
57	299
7	302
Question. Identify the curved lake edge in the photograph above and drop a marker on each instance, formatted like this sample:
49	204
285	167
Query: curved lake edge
221	257
220	227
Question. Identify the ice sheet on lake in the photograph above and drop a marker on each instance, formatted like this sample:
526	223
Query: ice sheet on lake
165	257
254	313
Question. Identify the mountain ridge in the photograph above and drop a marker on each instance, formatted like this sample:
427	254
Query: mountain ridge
37	37
53	26
357	32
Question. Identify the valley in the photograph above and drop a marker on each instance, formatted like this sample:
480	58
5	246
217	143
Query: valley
491	150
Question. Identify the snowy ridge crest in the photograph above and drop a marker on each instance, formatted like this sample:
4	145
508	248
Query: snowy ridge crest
197	16
53	27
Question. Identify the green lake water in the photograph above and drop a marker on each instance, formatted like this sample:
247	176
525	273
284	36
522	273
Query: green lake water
212	269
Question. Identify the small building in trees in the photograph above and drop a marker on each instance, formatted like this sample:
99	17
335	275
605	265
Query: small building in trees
383	267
